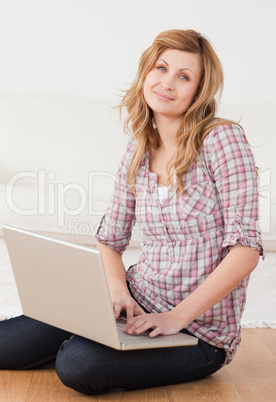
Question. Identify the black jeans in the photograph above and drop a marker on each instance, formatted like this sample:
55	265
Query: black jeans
92	368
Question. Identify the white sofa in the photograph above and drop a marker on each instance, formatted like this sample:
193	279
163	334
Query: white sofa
58	157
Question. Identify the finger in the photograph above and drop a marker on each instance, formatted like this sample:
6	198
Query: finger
139	326
129	312
144	327
117	309
155	332
134	310
132	325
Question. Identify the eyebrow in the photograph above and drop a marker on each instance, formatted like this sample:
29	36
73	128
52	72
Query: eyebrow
181	69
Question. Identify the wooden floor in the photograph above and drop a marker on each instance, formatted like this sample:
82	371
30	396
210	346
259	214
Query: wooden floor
250	377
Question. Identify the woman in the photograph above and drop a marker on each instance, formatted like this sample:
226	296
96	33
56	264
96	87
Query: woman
189	180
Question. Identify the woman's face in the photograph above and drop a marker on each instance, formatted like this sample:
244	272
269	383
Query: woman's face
171	85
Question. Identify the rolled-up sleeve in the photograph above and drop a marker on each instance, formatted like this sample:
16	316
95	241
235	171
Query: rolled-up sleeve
234	173
116	225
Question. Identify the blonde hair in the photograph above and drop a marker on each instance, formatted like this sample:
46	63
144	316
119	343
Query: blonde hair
199	118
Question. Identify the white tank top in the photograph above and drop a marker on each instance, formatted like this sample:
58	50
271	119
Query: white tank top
162	193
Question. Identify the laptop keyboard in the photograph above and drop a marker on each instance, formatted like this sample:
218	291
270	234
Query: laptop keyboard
121	322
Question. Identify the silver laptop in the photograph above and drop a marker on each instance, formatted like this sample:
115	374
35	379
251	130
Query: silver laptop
64	285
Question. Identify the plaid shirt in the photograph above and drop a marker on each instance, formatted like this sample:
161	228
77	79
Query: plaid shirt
185	238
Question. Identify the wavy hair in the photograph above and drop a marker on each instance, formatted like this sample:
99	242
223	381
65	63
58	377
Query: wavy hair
198	120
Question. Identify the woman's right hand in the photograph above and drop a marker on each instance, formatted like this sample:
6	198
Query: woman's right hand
116	278
128	304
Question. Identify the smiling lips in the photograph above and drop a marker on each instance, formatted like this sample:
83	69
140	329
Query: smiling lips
163	97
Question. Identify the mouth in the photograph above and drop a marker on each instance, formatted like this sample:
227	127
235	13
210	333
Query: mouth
163	97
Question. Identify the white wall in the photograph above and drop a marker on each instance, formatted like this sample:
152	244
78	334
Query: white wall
57	57
91	48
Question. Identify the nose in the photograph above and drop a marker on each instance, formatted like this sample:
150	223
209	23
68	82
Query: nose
167	82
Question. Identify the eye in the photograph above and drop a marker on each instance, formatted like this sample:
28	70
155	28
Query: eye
161	68
184	77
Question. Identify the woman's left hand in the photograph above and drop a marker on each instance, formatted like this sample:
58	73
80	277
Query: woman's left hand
162	324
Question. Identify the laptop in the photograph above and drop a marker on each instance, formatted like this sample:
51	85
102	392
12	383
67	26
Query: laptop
64	285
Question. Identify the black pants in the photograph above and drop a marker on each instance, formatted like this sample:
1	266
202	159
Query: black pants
92	368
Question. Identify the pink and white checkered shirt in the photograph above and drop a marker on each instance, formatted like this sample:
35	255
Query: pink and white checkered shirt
185	238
